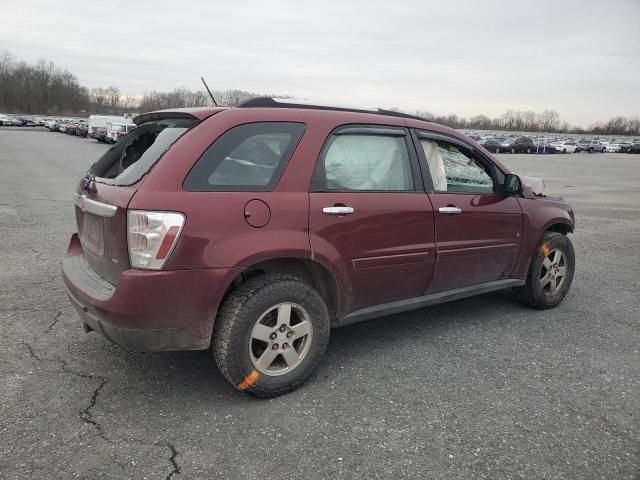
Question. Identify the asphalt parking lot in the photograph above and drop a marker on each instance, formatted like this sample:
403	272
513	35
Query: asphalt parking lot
479	388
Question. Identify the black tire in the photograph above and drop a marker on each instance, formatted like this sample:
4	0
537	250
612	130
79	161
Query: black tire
531	293
237	317
590	150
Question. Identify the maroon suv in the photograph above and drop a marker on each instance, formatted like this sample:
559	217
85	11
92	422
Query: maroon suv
254	230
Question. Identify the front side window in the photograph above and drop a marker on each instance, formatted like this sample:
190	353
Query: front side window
364	162
249	157
454	170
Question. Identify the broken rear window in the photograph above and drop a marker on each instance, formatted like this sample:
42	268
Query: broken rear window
133	156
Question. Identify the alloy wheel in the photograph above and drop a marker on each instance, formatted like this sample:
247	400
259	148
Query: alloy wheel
553	272
280	339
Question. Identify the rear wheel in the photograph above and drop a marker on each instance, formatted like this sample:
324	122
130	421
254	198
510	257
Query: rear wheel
270	335
550	273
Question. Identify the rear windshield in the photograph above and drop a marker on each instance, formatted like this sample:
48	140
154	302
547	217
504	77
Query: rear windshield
133	156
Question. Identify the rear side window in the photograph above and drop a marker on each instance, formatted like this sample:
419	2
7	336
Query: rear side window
364	162
133	156
249	157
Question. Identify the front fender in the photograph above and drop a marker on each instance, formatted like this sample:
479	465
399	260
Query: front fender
538	216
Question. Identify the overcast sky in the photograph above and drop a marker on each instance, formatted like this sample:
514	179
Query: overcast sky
581	58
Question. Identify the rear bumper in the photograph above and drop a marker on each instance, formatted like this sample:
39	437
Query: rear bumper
147	310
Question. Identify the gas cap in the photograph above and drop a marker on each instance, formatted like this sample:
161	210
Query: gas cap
257	213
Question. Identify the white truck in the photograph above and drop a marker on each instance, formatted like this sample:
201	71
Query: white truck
115	131
98	125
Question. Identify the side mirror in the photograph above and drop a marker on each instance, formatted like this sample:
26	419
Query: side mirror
512	184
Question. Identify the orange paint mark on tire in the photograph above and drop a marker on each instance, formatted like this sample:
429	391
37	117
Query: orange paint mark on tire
545	249
249	381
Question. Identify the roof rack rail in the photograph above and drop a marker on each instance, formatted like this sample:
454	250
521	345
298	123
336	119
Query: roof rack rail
270	102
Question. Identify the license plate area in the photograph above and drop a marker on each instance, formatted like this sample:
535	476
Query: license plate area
92	234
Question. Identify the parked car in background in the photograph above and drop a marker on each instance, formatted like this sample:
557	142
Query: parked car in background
619	146
519	145
634	148
10	121
82	129
495	145
62	126
255	230
116	131
18	121
625	147
564	146
590	146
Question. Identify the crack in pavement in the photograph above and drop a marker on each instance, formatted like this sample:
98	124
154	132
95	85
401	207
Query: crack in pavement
32	354
55	320
172	459
85	415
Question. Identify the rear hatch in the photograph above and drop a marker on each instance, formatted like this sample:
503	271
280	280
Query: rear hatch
102	196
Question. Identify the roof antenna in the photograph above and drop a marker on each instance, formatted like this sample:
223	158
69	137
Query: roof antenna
210	94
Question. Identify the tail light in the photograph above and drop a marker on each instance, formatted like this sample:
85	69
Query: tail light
151	237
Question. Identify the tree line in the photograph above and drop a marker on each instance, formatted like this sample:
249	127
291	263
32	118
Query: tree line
528	121
45	89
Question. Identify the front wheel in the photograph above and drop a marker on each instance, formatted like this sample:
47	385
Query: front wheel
550	272
270	335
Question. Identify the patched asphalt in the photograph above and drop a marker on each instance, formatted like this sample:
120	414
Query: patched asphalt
479	388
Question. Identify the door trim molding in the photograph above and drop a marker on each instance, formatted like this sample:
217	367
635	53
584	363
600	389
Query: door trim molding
415	303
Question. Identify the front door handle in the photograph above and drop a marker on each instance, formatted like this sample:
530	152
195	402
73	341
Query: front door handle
338	210
450	210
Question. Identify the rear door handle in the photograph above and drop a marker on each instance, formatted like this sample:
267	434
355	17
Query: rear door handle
450	210
338	210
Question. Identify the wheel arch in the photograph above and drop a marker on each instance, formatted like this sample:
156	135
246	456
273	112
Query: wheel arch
563	227
310	271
